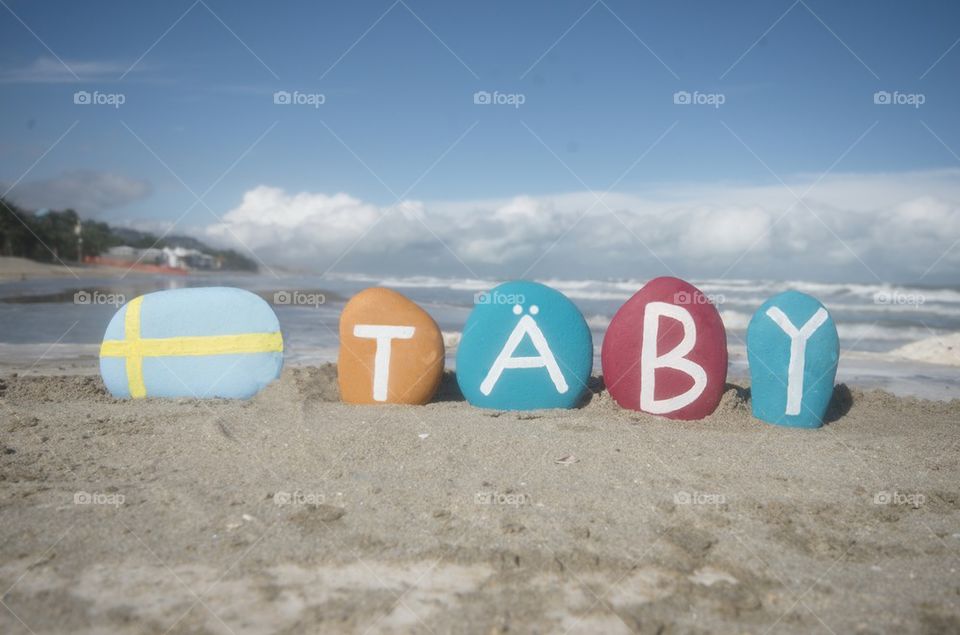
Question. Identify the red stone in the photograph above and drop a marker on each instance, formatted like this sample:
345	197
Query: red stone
623	360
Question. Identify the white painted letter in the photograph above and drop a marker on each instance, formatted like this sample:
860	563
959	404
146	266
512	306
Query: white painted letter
798	352
526	326
650	362
381	365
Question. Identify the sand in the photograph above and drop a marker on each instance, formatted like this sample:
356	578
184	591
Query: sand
13	268
22	269
295	513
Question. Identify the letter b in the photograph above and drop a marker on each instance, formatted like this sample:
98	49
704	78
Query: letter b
665	352
675	358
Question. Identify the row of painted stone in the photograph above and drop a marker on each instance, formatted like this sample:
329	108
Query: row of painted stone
525	346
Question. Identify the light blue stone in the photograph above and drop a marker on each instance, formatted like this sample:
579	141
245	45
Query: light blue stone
197	312
790	386
536	325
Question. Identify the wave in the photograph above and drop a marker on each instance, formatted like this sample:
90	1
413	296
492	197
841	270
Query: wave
873	316
598	322
624	288
850	332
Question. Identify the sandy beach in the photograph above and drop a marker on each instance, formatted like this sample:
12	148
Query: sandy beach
296	513
23	269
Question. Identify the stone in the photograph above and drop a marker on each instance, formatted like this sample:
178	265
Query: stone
211	342
665	351
525	346
391	350
793	350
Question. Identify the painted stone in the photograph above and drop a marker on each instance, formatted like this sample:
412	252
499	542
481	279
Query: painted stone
665	351
391	350
793	350
196	343
525	346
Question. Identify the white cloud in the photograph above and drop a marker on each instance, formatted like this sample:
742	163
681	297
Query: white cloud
848	226
306	228
729	230
50	70
87	191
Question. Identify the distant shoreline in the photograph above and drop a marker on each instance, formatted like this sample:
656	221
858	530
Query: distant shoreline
14	268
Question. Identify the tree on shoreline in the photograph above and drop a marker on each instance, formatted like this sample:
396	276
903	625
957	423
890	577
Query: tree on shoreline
51	236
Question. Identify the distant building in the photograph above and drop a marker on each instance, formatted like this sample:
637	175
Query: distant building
150	256
188	258
177	257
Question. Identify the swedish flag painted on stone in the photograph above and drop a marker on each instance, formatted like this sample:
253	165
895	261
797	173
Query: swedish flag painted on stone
199	343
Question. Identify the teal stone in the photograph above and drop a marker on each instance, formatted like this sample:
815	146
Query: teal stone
525	346
793	350
195	343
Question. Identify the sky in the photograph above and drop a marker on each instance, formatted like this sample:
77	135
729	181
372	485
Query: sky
784	139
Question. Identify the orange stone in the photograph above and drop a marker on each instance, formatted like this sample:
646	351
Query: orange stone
391	350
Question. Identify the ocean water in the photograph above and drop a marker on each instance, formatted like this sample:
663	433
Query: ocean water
52	320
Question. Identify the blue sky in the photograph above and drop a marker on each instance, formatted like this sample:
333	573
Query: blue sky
597	80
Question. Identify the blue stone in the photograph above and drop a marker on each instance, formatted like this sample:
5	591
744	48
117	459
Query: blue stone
793	350
195	343
525	346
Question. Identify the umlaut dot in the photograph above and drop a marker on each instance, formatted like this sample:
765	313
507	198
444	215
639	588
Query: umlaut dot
517	309
534	309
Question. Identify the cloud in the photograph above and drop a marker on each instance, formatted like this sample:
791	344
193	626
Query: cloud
293	228
50	70
892	226
722	231
87	191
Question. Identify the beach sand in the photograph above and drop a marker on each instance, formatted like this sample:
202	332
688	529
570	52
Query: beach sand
296	513
13	268
23	269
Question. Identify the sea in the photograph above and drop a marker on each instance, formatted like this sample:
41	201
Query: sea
58	323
